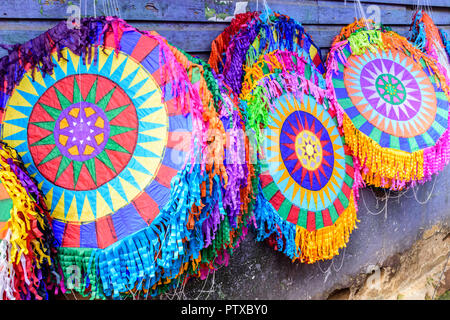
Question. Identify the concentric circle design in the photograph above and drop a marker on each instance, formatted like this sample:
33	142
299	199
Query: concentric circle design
99	140
306	149
80	129
309	176
390	89
391	93
391	98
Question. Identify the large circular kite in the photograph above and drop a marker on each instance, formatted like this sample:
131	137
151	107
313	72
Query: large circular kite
306	198
307	201
253	34
309	178
393	107
96	138
107	130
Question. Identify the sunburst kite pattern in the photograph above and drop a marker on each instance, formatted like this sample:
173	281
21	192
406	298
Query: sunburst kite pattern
103	121
305	154
391	98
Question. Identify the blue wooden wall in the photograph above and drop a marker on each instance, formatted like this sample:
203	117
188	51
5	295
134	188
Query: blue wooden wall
193	24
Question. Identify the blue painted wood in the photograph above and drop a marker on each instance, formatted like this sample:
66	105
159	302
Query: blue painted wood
308	12
193	24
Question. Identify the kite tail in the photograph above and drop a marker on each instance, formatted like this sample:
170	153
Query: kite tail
233	69
229	176
417	34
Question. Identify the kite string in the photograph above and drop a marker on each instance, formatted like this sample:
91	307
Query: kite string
385	198
332	264
429	194
154	260
362	14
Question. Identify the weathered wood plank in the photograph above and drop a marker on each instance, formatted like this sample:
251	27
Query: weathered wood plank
191	37
150	10
338	12
307	12
411	3
188	36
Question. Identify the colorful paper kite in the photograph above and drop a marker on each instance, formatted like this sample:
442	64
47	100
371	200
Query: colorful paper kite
306	195
307	200
393	105
231	200
27	266
118	128
256	35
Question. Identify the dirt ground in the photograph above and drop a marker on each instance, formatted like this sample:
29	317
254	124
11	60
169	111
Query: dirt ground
420	273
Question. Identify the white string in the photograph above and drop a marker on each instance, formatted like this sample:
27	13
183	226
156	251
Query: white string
106	8
110	9
332	264
118	9
266	7
386	197
328	269
142	280
429	195
429	9
342	261
362	14
103	3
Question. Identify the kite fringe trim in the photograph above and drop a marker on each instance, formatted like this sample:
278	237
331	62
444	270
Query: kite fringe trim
299	243
154	256
26	255
385	167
